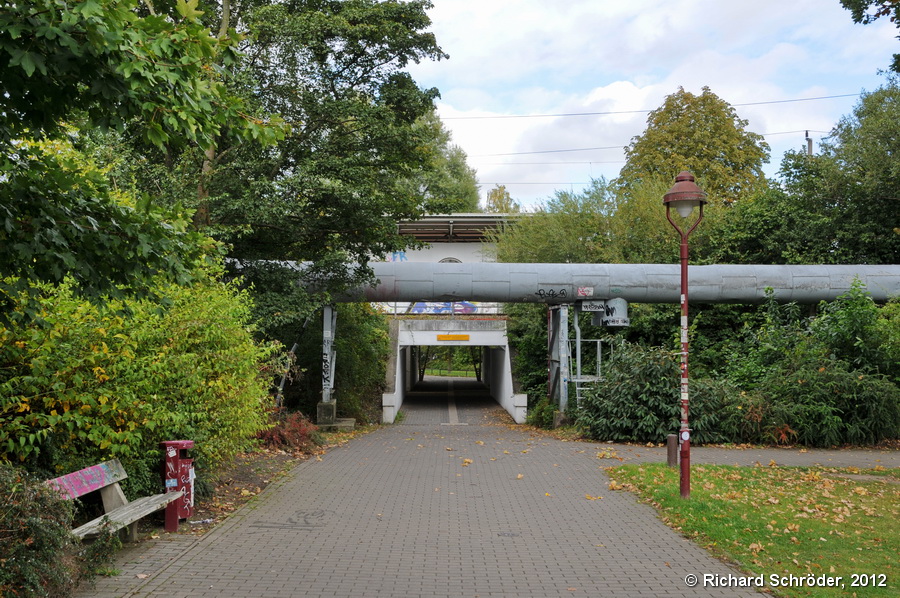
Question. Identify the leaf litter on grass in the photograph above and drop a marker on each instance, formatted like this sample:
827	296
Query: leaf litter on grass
782	520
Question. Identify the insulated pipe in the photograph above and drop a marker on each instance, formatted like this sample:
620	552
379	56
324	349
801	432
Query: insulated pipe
636	283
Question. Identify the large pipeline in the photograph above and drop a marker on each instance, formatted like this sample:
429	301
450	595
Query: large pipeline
636	283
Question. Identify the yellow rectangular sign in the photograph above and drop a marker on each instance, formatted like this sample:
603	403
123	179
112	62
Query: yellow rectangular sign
453	337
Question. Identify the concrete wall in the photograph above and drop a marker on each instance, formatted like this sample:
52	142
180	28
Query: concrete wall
497	373
489	334
436	252
395	377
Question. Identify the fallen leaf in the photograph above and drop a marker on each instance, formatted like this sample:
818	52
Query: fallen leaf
520	476
479	442
142	576
589	497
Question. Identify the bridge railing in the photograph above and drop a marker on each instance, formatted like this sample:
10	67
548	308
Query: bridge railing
586	362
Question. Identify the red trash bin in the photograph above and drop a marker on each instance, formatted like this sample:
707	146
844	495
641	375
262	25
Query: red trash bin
178	474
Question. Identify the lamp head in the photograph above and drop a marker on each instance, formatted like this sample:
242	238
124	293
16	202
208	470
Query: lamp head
684	194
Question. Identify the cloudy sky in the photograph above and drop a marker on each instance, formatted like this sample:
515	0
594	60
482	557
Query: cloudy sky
514	64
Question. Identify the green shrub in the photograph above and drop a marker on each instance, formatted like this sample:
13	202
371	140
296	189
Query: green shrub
826	403
540	414
90	383
362	346
38	554
819	381
35	537
639	399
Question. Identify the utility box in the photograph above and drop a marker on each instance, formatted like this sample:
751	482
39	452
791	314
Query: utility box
178	474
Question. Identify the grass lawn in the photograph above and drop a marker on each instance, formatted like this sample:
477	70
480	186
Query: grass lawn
785	520
451	373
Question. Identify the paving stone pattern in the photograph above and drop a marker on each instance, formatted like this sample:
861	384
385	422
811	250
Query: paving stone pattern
430	509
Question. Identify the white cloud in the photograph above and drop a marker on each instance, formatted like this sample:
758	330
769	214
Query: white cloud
535	57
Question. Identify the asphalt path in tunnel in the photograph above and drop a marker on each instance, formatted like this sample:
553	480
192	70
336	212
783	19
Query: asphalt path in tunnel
466	504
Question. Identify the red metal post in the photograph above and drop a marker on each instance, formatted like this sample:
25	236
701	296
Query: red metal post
684	432
684	195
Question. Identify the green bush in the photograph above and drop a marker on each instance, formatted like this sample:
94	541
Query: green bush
639	399
540	414
89	383
38	554
826	403
819	381
362	346
35	536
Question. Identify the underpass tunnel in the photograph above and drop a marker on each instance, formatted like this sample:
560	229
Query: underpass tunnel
406	380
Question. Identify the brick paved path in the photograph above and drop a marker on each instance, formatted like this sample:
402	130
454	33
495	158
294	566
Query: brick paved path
447	503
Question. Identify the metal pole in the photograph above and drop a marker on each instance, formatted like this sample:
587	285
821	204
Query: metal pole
684	433
684	195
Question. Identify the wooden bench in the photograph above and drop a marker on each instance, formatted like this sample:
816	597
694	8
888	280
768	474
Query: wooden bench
118	512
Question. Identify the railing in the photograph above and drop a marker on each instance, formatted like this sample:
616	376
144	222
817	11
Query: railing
588	365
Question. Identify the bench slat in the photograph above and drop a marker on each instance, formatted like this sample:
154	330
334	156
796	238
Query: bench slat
127	514
87	480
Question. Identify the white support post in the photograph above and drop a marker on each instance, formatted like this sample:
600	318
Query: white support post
329	323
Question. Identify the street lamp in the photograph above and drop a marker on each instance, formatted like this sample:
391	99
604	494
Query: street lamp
684	196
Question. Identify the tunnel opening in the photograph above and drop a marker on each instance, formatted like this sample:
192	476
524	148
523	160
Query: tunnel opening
423	349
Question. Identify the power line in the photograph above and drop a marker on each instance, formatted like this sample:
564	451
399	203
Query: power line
609	147
582	149
614	112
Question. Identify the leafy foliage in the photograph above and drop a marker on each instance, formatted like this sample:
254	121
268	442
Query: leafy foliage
568	228
361	345
104	59
291	431
499	201
35	529
815	382
638	399
59	211
38	554
104	65
89	384
703	134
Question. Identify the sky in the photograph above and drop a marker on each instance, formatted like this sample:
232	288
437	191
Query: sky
514	64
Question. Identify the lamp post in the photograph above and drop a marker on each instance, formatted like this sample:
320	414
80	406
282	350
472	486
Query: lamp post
684	196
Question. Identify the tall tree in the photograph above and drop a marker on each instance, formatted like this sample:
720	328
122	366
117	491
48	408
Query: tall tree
703	134
447	184
102	64
331	191
568	228
839	207
499	201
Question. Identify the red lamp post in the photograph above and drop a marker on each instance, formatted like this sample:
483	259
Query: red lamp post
684	196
